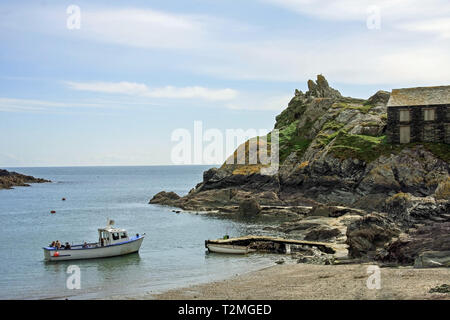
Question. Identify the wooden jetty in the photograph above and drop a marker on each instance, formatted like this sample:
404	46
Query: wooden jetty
273	244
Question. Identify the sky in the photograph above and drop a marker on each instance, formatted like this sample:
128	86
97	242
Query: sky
108	82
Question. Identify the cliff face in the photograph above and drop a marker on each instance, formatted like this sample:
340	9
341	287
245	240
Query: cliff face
12	179
333	150
338	178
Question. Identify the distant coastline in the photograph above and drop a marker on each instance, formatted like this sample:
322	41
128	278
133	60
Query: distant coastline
8	180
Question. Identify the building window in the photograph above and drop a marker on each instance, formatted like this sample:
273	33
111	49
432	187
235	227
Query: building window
428	114
404	116
405	134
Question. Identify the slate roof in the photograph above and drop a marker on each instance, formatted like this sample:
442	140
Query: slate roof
420	96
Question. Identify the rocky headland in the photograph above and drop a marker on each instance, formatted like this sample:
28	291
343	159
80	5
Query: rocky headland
340	181
8	180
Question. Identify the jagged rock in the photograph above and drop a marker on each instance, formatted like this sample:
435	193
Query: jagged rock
209	174
249	207
443	190
333	211
164	198
315	256
332	152
433	259
322	233
405	249
321	89
369	233
12	179
407	209
380	97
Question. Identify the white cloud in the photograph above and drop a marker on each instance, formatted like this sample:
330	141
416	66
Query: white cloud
170	92
11	105
142	28
110	87
261	102
357	10
440	27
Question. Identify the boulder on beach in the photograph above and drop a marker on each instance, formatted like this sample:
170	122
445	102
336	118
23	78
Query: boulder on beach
372	232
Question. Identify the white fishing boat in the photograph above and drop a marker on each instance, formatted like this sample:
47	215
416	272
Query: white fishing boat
112	242
227	248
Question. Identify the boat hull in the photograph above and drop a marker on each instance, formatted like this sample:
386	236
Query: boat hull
51	254
230	249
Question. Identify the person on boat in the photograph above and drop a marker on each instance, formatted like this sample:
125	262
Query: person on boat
58	244
102	242
85	245
67	246
53	244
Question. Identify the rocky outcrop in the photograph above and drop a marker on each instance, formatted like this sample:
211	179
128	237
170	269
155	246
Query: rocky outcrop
407	248
165	198
13	179
336	166
249	207
370	233
321	89
322	233
408	210
433	259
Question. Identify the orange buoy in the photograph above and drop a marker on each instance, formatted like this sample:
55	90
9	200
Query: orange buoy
56	254
53	211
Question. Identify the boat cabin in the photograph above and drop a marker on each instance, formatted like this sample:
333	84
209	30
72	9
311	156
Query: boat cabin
109	235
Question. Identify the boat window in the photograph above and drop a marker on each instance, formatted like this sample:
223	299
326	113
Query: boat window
115	236
123	235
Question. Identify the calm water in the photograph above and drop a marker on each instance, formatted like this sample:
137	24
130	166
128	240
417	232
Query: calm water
172	255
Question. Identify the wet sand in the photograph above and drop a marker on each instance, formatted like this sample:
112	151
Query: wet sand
307	281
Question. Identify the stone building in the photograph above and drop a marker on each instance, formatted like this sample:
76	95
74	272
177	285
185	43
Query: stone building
419	115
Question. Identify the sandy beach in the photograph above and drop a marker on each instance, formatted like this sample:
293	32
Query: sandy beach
307	281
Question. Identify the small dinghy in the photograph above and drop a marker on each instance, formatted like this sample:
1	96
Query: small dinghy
226	248
112	242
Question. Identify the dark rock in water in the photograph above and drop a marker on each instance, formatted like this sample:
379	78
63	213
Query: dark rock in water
12	179
249	207
370	233
165	198
444	288
322	233
406	249
208	174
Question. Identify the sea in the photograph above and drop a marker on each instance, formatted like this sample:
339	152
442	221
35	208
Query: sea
173	253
